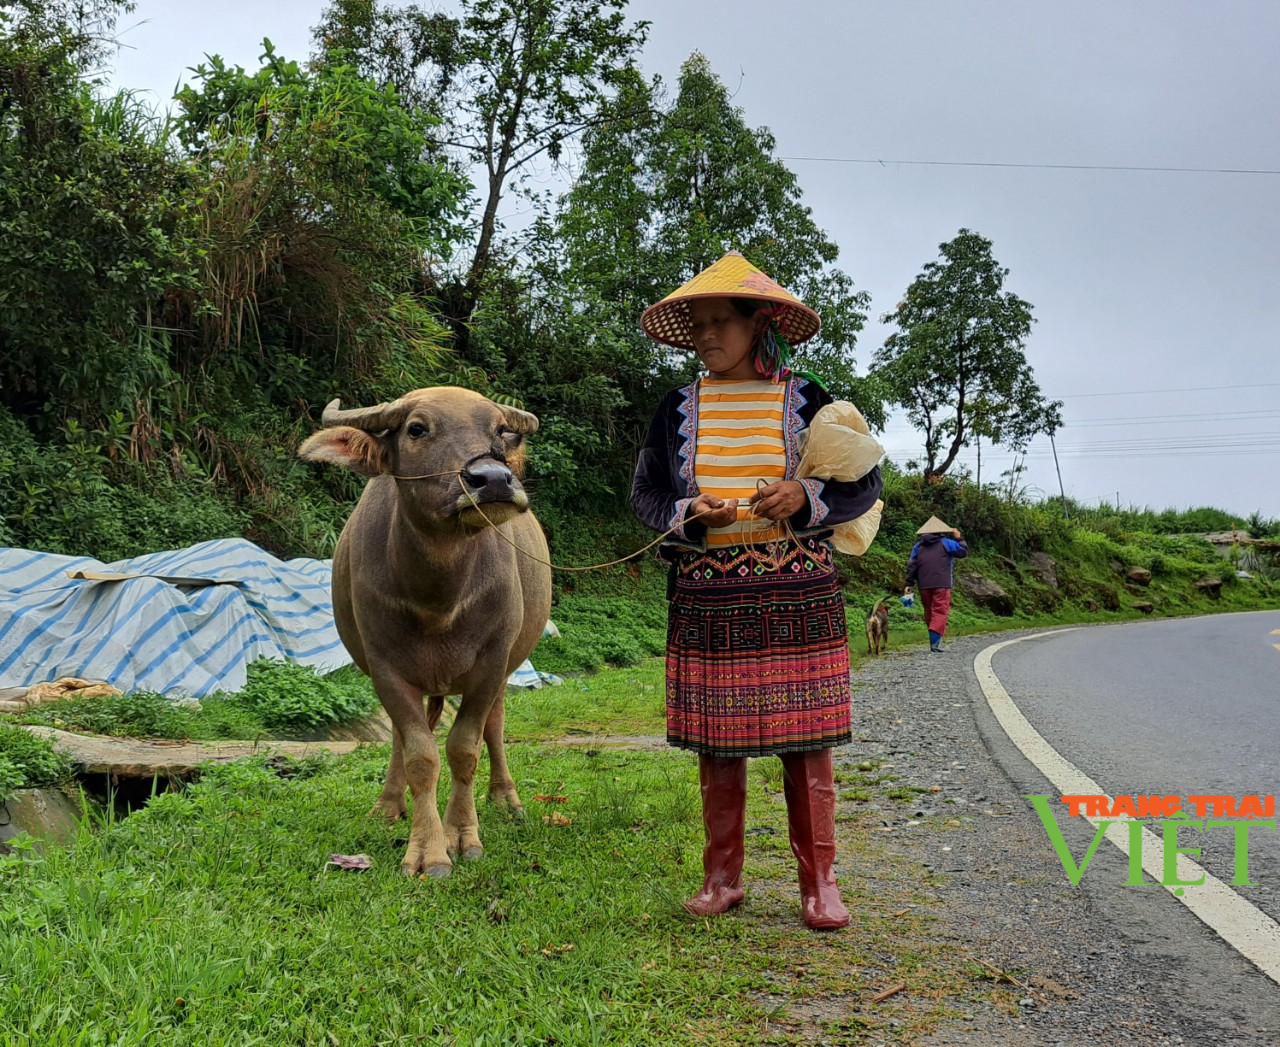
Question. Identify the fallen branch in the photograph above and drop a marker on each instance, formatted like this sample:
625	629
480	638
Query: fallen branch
889	992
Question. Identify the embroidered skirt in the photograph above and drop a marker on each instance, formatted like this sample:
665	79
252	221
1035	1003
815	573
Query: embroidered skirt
757	652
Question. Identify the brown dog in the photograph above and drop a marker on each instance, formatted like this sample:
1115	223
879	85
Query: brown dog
878	628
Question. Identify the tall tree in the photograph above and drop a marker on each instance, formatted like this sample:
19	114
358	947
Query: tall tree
515	80
669	185
78	31
318	209
95	227
957	363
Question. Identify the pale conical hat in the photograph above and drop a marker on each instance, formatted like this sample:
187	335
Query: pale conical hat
733	276
935	526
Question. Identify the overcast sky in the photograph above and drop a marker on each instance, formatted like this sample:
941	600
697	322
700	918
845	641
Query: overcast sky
1156	292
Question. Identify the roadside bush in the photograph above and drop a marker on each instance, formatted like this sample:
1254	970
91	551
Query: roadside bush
27	761
145	714
11	777
288	696
279	697
602	630
67	496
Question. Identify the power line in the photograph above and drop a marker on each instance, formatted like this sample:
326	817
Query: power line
1168	443
1189	418
1035	167
1112	453
1176	440
1149	392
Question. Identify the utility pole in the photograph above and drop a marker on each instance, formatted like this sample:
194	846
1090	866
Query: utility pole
1065	514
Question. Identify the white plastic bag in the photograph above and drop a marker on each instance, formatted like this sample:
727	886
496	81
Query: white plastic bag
838	446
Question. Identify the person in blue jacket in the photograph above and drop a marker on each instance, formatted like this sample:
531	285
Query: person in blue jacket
930	569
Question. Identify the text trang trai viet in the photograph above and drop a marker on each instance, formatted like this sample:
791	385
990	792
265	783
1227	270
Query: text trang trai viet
1198	812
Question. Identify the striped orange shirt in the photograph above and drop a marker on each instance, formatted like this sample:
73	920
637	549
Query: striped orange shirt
740	442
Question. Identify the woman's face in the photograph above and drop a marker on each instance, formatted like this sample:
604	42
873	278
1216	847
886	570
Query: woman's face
722	337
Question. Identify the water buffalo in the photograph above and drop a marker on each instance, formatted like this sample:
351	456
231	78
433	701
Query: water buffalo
428	597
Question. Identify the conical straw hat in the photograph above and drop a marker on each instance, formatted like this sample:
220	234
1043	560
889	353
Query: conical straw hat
935	526
733	276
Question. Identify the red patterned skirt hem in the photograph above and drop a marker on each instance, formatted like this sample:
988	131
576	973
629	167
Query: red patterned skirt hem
757	652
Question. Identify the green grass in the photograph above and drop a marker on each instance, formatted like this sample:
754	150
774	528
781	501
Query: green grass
208	917
604	630
28	762
619	702
280	699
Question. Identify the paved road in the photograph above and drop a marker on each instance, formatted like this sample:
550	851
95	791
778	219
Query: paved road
1172	706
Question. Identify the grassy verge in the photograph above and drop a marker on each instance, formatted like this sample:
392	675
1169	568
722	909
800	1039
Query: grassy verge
616	702
280	700
208	916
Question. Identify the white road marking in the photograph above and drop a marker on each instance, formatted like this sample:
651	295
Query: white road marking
1242	925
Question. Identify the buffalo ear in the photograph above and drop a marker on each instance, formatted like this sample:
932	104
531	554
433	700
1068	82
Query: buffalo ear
519	421
350	448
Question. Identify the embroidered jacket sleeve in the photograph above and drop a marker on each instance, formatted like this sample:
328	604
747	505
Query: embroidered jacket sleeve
654	494
832	502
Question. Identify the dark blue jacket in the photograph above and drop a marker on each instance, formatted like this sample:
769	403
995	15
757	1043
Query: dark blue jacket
664	483
930	565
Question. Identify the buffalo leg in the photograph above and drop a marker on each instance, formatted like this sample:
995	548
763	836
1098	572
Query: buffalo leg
502	787
420	757
391	805
461	825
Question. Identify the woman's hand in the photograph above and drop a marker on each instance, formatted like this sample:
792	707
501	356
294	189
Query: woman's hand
779	500
723	514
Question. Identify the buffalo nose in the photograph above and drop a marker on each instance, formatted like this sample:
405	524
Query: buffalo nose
490	480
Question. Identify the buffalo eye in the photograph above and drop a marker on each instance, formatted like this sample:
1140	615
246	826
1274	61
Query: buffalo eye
416	430
509	435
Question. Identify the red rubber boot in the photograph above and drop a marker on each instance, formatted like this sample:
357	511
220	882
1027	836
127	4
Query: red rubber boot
811	816
724	810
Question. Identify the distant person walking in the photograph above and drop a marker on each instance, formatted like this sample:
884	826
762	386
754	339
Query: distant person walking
930	569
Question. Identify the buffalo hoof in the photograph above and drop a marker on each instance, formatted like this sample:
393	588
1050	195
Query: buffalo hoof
389	811
415	869
467	852
510	804
463	843
423	861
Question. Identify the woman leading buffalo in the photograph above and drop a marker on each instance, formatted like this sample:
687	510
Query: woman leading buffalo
757	656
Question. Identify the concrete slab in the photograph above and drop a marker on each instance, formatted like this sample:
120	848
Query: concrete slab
147	758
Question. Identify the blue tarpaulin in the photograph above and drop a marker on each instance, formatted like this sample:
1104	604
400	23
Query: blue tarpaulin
183	622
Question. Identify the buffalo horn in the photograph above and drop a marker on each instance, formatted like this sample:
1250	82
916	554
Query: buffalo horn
371	419
521	421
